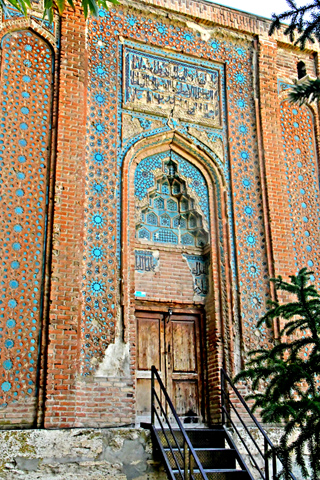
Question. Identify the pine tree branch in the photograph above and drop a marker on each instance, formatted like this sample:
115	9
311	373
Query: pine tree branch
284	378
306	92
304	21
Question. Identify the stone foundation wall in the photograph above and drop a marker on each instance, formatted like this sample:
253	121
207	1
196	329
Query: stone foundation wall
274	433
101	454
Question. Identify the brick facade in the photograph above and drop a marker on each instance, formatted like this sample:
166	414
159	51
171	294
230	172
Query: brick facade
176	175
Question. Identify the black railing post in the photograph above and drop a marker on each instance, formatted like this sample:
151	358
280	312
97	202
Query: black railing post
266	459
274	464
223	420
178	452
186	460
152	395
265	452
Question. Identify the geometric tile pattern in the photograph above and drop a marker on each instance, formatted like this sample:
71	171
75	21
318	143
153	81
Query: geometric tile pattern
144	178
11	12
105	152
303	183
195	182
26	97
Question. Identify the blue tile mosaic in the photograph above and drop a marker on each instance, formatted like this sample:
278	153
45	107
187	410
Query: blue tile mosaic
26	97
165	207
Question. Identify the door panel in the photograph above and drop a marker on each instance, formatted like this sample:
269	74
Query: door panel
183	346
184	364
149	352
186	397
173	346
149	343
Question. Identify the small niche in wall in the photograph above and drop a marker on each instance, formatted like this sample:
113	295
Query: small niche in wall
301	69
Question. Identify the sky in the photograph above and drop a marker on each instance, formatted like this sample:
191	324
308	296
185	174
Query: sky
264	8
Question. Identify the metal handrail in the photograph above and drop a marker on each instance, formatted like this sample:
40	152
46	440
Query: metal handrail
269	451
187	453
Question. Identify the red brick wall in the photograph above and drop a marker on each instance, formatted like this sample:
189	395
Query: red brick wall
103	402
91	412
63	329
287	60
69	401
172	282
274	165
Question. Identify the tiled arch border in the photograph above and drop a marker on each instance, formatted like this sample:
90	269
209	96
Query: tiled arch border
28	23
34	406
219	309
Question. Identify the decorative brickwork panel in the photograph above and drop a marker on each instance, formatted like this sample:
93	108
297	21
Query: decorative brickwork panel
11	17
119	40
300	156
25	95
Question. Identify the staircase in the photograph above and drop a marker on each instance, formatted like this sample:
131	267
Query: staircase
210	453
219	459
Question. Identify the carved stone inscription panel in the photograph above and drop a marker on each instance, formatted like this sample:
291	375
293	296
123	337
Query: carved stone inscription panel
199	267
161	85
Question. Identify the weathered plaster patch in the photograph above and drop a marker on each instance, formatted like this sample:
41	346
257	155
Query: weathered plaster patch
204	32
130	127
116	362
133	125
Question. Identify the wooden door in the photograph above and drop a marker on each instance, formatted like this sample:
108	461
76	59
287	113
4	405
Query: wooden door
173	346
150	351
184	364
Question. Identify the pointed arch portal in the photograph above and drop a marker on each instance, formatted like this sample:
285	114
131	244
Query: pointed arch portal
175	255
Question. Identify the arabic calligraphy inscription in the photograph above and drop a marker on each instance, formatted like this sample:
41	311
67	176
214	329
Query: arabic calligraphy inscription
164	86
146	261
199	267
